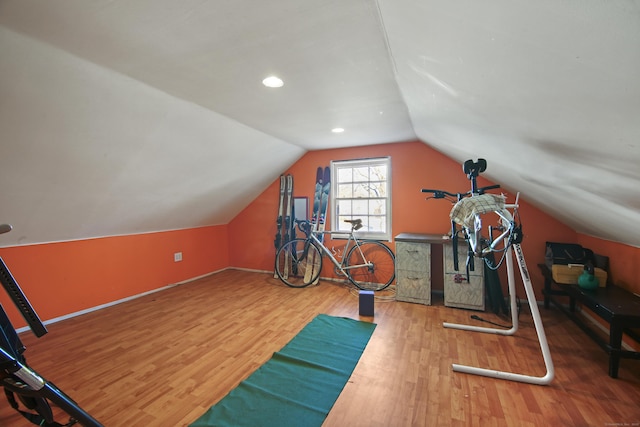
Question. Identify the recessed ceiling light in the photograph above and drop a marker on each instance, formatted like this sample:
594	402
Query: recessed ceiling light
337	130
273	81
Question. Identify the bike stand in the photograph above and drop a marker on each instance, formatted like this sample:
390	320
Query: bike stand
537	321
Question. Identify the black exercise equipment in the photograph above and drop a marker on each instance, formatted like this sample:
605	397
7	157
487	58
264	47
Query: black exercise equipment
17	378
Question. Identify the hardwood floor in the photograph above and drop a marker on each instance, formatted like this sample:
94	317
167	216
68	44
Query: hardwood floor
165	358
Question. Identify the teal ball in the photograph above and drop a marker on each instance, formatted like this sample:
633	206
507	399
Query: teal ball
588	281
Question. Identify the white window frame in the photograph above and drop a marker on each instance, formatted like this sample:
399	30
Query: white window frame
363	233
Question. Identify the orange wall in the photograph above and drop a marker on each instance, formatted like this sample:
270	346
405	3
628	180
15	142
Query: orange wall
63	278
414	166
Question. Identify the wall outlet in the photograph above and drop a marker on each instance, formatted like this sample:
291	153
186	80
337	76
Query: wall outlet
177	257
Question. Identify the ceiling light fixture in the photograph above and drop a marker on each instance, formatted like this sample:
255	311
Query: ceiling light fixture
273	81
337	130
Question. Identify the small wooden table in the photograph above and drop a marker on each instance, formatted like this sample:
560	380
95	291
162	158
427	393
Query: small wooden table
617	306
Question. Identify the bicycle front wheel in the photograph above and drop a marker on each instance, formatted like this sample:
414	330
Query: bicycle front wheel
372	266
298	263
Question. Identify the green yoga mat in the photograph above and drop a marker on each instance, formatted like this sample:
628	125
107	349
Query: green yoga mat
300	383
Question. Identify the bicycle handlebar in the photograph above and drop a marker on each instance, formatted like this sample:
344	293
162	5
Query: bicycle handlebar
441	194
304	225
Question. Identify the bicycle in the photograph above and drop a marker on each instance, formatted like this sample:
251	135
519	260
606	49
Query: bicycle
467	211
367	264
469	207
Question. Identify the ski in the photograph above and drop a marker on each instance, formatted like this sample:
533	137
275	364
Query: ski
289	220
315	215
279	220
324	204
291	210
324	200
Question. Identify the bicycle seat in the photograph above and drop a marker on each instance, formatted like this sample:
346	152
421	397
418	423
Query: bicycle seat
356	224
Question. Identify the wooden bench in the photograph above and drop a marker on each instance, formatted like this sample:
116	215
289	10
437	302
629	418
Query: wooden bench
618	307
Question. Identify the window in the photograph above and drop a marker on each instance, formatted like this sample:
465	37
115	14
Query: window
362	189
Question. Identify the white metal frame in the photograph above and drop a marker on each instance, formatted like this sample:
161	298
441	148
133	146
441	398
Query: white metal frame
507	221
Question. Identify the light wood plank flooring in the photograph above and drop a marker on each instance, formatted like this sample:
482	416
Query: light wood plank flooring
165	358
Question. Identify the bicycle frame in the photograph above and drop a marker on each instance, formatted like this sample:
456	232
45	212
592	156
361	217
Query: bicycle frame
507	219
340	265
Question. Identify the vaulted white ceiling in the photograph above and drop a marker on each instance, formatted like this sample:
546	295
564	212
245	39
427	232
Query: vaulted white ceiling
121	117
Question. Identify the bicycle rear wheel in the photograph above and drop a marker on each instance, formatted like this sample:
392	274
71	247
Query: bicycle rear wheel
381	271
298	263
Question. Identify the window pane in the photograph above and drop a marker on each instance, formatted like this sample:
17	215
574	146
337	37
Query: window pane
361	190
344	207
377	223
345	175
361	174
345	190
378	189
377	207
360	207
379	173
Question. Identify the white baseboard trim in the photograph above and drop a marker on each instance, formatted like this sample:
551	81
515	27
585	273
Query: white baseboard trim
116	302
250	270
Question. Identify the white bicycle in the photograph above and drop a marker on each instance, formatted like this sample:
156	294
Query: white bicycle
367	264
468	212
